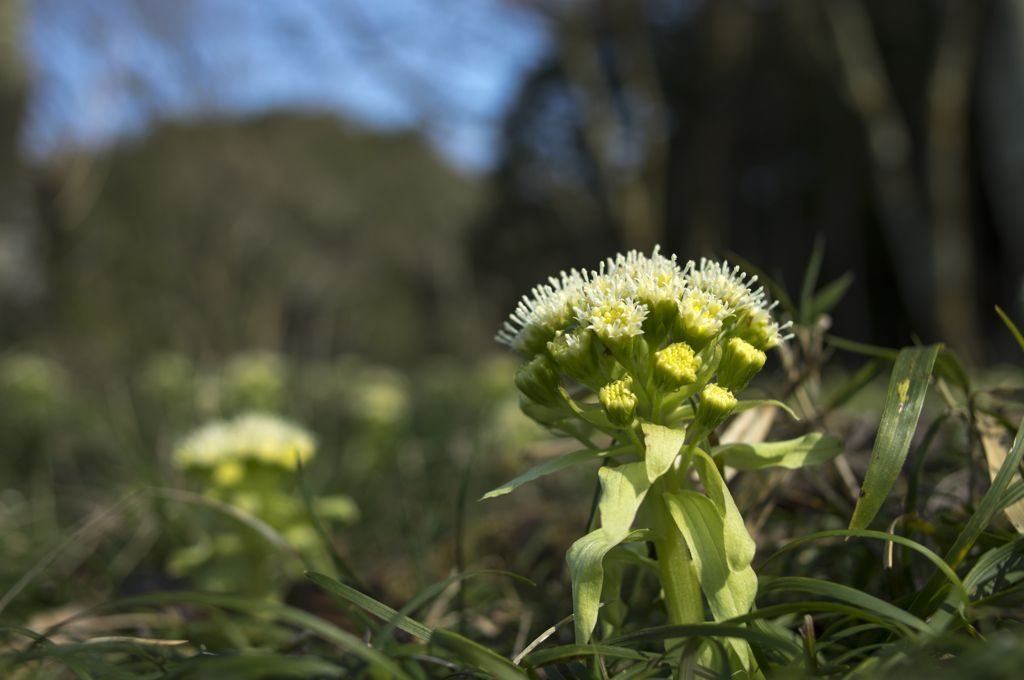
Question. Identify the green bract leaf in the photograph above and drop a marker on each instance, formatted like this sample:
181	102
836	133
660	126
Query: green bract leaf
746	405
622	491
739	546
907	388
663	445
592	413
560	463
811	449
686	412
729	593
586	571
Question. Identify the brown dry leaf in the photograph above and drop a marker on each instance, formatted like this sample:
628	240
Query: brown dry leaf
996	441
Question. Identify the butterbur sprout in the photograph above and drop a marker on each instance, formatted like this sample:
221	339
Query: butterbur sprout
646	336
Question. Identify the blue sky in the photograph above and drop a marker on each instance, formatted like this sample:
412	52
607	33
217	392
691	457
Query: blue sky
104	70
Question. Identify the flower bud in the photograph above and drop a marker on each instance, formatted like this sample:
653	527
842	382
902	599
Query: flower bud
577	353
759	330
675	366
741	361
700	319
619	402
716	403
539	379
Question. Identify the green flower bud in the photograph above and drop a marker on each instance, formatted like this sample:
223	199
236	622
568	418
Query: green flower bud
716	403
577	353
741	361
760	330
675	366
532	339
539	380
700	319
619	402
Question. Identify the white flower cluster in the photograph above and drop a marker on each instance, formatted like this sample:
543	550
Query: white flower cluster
260	437
624	292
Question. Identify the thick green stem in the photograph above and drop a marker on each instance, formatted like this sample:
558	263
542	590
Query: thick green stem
678	575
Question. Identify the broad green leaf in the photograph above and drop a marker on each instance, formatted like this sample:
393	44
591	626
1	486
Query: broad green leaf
663	445
926	600
811	449
622	491
907	389
465	649
1011	326
624	555
831	294
381	611
729	593
739	546
560	463
851	596
585	558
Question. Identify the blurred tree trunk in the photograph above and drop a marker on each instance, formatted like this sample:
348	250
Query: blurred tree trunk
21	280
948	178
606	52
898	195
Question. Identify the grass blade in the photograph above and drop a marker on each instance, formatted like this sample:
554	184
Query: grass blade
425	596
851	596
926	600
381	611
810	281
862	348
1011	326
868	372
274	610
831	295
882	535
907	389
709	630
466	650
